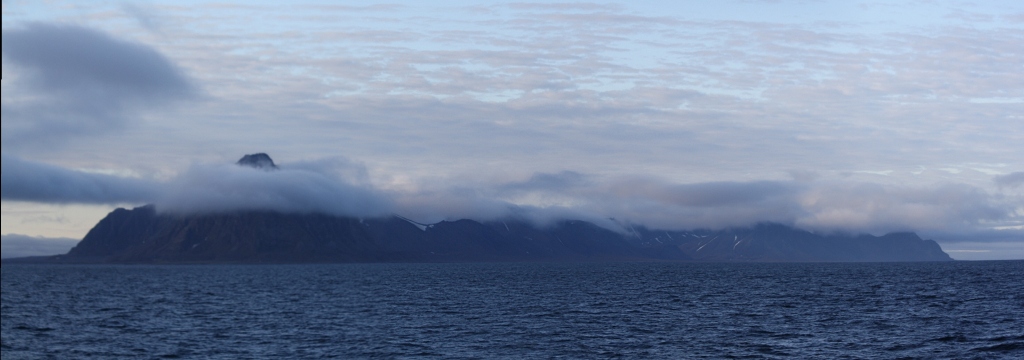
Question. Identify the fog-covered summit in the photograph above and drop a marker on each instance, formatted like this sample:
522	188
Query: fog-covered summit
258	161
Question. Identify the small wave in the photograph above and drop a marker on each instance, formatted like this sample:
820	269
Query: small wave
953	339
34	329
791	336
1004	348
904	347
1003	339
768	350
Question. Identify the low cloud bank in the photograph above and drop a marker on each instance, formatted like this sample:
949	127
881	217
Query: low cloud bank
16	246
819	205
34	182
226	188
341	187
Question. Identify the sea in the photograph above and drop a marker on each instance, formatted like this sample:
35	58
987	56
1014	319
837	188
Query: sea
955	310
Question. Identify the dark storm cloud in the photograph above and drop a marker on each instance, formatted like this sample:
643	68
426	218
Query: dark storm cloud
77	81
15	246
34	182
1010	181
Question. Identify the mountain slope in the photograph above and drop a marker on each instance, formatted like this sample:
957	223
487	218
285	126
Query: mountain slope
142	235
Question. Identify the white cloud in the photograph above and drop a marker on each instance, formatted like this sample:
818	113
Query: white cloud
218	189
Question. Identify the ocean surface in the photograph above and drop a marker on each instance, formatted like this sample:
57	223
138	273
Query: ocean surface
534	311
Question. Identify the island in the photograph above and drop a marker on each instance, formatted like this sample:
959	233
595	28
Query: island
145	236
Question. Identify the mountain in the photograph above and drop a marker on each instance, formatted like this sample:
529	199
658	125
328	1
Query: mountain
259	161
142	235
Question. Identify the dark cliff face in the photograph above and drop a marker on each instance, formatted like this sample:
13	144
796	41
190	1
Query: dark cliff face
144	236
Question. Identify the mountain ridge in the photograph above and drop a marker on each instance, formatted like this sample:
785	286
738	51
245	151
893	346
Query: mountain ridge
142	236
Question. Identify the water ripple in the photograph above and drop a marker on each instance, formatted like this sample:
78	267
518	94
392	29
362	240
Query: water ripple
542	311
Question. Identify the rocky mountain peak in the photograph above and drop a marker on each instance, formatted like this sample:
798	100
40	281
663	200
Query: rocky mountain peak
258	161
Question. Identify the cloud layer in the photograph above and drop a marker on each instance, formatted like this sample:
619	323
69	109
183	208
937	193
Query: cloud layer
341	188
36	182
218	189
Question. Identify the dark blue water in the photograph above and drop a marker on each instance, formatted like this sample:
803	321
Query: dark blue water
569	311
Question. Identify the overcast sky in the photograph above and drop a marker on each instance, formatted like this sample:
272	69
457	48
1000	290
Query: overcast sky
855	116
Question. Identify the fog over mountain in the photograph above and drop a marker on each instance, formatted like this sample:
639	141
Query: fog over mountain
342	189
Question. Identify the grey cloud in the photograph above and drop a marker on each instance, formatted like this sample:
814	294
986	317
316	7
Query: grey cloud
566	6
367	8
803	176
562	181
74	81
878	208
146	18
666	205
1010	181
985	236
217	189
344	169
706	195
16	246
34	182
814	205
331	186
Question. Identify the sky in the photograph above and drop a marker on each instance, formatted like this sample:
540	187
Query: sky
832	116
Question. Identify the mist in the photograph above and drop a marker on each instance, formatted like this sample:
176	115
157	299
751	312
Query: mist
343	187
205	189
